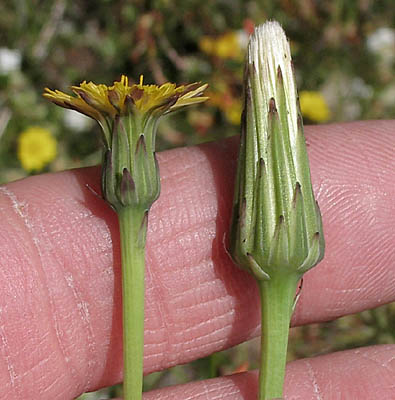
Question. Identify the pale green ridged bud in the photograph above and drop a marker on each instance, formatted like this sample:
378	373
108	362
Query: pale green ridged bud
276	226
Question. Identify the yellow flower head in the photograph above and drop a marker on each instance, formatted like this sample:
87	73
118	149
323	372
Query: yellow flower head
101	101
226	46
127	114
36	148
313	106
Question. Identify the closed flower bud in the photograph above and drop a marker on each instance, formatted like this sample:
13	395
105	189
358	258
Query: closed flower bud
276	226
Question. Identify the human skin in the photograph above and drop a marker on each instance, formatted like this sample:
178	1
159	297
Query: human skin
60	294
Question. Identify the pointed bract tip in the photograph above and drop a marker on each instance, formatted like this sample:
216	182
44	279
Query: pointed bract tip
141	144
261	168
272	106
127	187
127	179
279	73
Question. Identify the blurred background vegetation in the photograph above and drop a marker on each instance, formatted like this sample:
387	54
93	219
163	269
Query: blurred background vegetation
344	56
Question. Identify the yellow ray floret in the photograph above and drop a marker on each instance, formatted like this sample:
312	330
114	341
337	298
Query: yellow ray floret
99	101
96	96
74	103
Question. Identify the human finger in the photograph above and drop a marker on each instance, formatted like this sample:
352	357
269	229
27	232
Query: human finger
365	374
60	284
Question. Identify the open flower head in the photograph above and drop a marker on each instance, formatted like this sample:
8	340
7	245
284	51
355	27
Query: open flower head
127	114
101	101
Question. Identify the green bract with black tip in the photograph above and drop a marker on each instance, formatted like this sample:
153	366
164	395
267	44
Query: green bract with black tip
276	231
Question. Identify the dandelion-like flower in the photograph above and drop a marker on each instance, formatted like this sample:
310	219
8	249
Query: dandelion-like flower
128	115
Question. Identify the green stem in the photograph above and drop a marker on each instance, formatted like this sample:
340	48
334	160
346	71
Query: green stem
132	225
277	299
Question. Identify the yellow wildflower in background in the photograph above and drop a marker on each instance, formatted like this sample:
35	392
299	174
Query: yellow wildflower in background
226	46
36	148
314	106
222	98
233	112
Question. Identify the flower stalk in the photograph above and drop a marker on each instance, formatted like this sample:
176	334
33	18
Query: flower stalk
276	232
133	228
129	116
